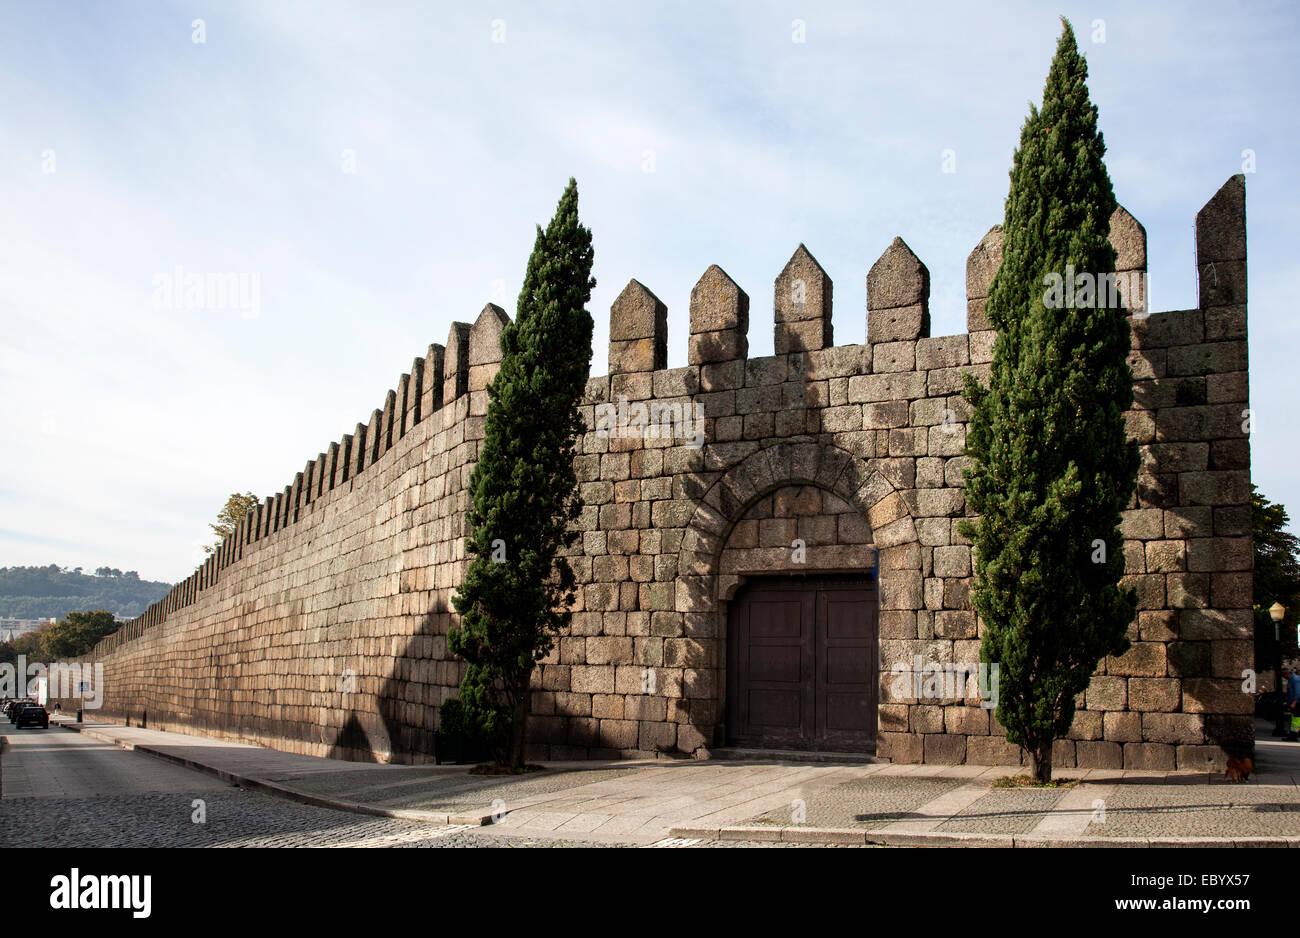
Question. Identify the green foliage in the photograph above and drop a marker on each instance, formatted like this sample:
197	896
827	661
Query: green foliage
53	591
1053	467
1276	577
524	490
28	644
236	507
76	634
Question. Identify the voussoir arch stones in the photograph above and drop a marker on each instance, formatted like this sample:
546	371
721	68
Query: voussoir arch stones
826	466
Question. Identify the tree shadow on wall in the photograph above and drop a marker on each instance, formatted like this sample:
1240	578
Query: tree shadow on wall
401	726
1190	658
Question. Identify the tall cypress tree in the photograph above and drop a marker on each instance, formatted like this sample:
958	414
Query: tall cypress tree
518	587
1053	467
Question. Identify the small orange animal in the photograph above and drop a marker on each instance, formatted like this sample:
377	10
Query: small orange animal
1238	769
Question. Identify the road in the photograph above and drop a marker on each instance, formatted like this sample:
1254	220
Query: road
67	790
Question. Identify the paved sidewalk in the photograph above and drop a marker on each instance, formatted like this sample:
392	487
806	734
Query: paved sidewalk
641	802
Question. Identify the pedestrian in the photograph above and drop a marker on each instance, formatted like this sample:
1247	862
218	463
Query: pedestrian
1292	702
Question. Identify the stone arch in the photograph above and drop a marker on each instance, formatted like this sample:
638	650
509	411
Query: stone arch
825	466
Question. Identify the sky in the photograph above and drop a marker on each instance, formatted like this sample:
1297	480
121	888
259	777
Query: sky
370	172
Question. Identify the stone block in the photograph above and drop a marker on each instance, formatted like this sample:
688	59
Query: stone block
1122	727
1154	694
991	750
944	352
1107	693
944	749
1178	728
903	748
893	356
1216	695
1098	755
1150	756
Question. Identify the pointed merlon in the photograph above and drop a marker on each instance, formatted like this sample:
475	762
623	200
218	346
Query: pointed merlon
456	363
359	448
981	266
485	346
485	335
415	395
638	331
802	301
386	436
403	407
1129	239
898	296
372	435
719	319
1221	246
431	398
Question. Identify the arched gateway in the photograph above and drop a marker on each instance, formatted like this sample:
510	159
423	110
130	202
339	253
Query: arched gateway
783	556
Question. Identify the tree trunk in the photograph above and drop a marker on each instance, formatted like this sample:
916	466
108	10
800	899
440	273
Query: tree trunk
518	731
1041	761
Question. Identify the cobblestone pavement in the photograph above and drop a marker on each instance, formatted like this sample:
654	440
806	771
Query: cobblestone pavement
237	818
868	803
1201	811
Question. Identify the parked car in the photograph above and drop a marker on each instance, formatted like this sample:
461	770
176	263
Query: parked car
31	715
12	706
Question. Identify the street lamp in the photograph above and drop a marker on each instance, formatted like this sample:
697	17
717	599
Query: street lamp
1277	612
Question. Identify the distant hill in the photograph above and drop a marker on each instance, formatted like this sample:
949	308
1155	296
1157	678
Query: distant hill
41	592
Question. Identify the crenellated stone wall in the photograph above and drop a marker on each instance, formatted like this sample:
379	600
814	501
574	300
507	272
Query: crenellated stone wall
320	625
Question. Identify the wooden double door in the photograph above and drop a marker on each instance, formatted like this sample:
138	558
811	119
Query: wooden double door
802	664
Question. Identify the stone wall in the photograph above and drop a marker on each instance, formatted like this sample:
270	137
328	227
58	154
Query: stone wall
320	624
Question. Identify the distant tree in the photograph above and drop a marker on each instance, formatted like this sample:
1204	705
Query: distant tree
46	592
77	633
103	571
27	644
1276	576
1053	466
237	506
518	586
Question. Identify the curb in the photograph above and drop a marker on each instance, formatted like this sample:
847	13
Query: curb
850	836
260	784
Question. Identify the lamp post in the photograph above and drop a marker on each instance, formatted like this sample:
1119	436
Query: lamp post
1277	612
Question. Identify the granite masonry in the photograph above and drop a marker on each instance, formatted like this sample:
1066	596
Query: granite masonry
320	625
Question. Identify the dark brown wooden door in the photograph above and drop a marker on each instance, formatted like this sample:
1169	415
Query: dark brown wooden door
802	665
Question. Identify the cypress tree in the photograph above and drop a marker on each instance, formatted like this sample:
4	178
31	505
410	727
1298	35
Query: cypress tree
518	587
1053	467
